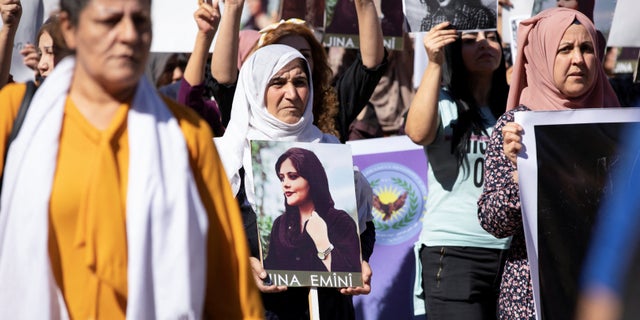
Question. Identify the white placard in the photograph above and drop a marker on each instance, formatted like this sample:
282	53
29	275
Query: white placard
174	29
625	25
521	9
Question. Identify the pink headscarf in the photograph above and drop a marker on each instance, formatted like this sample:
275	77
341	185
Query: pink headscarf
532	82
247	41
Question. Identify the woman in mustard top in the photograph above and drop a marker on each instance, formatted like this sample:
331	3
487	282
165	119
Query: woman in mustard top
114	201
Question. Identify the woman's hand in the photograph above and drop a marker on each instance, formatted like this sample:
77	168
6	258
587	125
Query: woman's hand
30	56
259	275
317	229
207	16
436	39
11	11
512	141
366	282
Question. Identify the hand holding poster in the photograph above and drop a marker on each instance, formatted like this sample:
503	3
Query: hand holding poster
563	174
307	215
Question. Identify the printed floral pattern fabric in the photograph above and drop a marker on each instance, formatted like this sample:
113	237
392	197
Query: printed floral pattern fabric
499	214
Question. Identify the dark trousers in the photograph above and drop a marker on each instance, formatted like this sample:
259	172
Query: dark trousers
461	282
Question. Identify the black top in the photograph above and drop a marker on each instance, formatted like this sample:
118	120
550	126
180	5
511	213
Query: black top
291	249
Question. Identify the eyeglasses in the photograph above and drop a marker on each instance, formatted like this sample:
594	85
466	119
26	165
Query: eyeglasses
266	30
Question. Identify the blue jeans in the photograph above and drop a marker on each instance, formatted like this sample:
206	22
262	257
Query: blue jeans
461	282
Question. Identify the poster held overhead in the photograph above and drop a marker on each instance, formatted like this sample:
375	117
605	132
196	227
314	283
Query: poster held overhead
624	21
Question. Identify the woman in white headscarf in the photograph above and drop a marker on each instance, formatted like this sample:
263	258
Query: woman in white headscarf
273	101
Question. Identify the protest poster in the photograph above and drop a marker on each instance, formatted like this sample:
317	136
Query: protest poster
311	11
422	15
396	169
518	11
563	175
623	21
174	29
341	24
601	15
288	179
514	22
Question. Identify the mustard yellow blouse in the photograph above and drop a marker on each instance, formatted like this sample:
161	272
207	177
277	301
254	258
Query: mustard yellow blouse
231	291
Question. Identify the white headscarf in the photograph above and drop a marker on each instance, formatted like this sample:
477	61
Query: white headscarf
250	119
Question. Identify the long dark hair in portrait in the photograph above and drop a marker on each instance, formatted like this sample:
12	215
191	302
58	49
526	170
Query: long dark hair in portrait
470	120
310	168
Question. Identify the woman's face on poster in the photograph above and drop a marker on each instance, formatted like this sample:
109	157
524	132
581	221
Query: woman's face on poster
295	187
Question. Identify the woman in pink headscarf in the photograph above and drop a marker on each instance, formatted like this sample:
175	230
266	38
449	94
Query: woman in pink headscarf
554	71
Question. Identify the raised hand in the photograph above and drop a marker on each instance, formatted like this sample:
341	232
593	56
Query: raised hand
436	39
30	56
207	16
11	11
259	275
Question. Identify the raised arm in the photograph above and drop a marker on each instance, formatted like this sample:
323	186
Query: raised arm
225	50
207	18
11	11
422	118
370	32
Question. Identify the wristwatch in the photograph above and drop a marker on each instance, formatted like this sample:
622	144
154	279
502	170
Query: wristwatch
322	255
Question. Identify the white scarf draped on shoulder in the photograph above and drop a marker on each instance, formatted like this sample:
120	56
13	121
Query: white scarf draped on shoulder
165	276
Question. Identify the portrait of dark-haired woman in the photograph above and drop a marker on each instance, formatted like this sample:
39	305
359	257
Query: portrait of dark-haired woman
311	235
